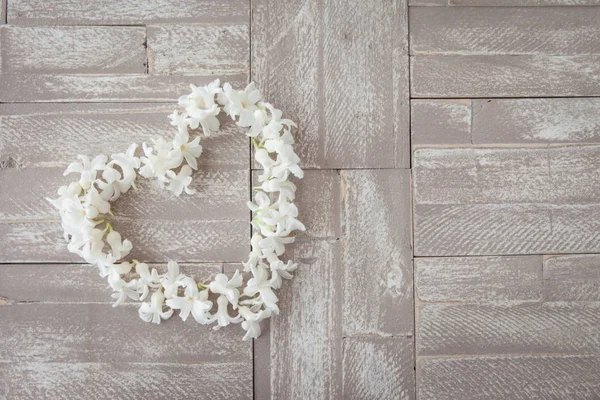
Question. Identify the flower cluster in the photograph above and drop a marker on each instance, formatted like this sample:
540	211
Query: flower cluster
85	210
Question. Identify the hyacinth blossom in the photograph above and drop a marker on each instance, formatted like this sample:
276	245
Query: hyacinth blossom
85	210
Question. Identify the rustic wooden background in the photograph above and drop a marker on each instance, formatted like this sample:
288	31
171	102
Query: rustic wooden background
455	141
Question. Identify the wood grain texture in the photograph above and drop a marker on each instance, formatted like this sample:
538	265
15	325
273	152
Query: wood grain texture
114	12
504	3
73	50
572	278
118	88
341	70
72	282
506	201
61	381
198	49
518	378
505	30
574	120
306	338
478	279
60	332
528	328
440	122
448	76
378	368
376	256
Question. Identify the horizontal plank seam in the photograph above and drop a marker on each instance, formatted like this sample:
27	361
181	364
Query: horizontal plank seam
500	355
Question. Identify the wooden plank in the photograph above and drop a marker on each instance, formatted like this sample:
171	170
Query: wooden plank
3	12
306	338
124	88
515	378
478	279
74	333
504	3
341	70
232	380
73	50
440	122
506	201
379	368
505	30
427	2
114	12
569	120
572	278
503	328
175	49
377	257
501	76
72	282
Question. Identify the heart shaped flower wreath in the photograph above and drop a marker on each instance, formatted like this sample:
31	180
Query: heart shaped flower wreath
85	206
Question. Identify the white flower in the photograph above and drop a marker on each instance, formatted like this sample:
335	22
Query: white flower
123	289
186	149
227	287
260	284
276	124
251	324
181	121
284	218
119	249
87	170
275	244
256	254
158	160
287	160
240	103
128	163
181	181
192	301
153	311
286	189
281	270
201	107
94	203
172	280
222	315
147	279
262	157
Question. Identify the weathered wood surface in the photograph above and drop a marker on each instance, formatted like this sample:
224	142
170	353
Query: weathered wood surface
532	121
448	76
557	31
378	368
175	49
527	328
506	201
438	122
19	87
478	279
377	258
504	3
572	278
306	340
231	380
518	378
73	282
91	332
341	70
73	50
115	12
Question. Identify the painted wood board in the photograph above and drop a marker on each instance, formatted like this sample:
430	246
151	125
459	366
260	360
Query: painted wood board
448	76
478	279
503	328
92	332
341	70
304	354
198	49
504	3
73	282
376	258
16	87
572	278
518	378
379	368
533	121
114	12
232	380
437	122
72	50
554	31
506	201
